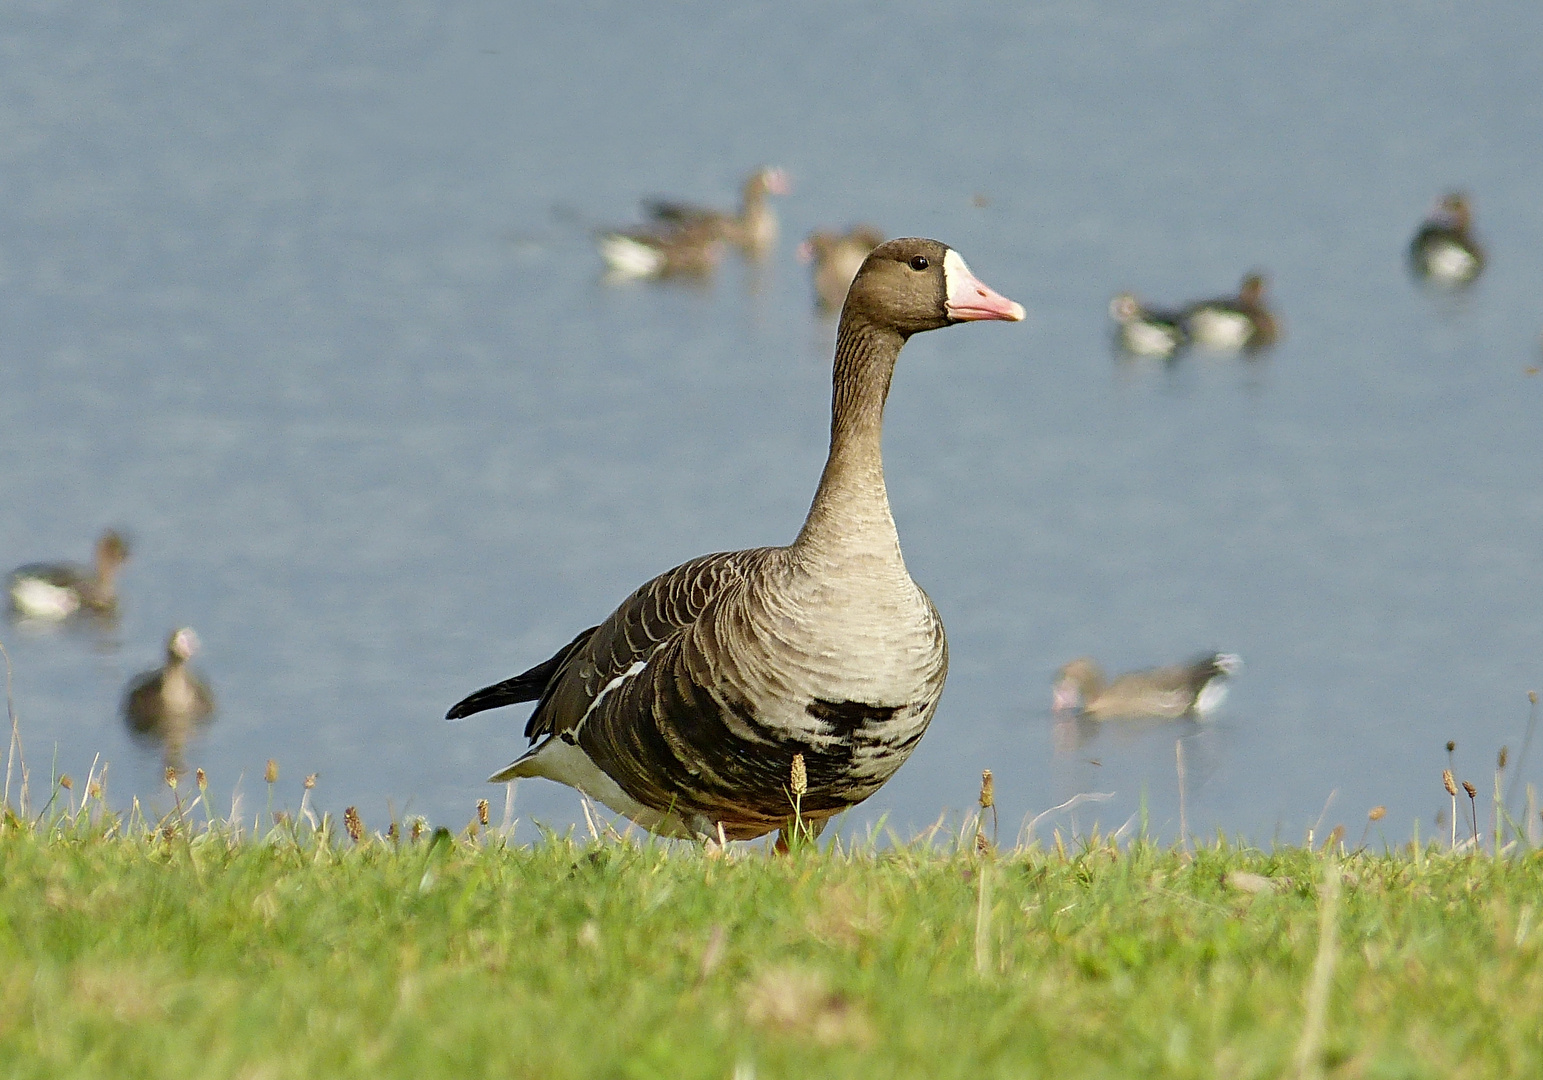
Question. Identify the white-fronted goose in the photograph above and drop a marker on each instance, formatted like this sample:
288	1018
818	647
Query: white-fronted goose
659	251
1166	692
1144	331
56	591
1444	251
1232	323
753	229
684	709
170	703
835	258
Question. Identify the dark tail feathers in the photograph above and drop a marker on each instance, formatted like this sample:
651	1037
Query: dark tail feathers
527	686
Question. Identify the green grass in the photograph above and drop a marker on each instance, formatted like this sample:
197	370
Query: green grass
129	951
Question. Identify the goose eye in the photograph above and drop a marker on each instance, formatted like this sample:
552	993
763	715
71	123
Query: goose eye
919	262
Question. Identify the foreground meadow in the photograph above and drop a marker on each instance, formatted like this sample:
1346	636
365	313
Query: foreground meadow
183	950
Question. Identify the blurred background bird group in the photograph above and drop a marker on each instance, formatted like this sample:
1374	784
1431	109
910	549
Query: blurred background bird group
293	305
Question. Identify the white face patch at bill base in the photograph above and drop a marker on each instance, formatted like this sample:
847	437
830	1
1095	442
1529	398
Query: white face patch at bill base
967	299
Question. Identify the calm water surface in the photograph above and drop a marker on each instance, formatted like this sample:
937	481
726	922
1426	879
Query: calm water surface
305	300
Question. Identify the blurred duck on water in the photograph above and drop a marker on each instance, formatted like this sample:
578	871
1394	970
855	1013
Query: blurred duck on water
1444	252
1196	688
834	259
1241	323
1144	331
54	592
753	229
658	251
170	704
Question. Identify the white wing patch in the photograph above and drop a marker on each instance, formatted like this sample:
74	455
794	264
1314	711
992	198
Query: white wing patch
1449	262
630	258
40	600
1221	330
1211	696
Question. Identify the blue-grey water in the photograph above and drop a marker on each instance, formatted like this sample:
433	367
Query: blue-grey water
304	299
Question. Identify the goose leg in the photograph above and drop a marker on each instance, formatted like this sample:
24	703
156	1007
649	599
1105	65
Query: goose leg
812	828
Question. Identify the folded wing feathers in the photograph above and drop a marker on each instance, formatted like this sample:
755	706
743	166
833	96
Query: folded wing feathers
652	615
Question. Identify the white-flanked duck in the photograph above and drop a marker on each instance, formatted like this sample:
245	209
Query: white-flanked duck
1144	331
658	251
1167	692
1232	323
1444	251
170	703
54	592
684	709
834	258
753	230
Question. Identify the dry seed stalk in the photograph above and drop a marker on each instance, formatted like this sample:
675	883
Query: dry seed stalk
988	801
352	823
1451	786
798	782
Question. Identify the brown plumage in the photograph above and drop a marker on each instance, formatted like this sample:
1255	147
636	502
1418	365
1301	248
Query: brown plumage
685	707
1231	323
753	229
1444	251
659	251
56	591
834	258
1165	692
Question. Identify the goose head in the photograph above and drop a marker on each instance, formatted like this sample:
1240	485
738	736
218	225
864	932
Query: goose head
914	285
182	646
767	180
112	551
1454	212
1125	308
1075	683
1251	292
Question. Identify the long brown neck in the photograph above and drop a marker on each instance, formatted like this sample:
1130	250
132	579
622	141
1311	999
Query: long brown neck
752	199
851	502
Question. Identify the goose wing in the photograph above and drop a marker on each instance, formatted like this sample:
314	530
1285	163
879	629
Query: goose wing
572	682
657	613
681	214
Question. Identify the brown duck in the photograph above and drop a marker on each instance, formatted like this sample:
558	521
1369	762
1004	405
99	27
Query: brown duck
169	704
56	591
1166	692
